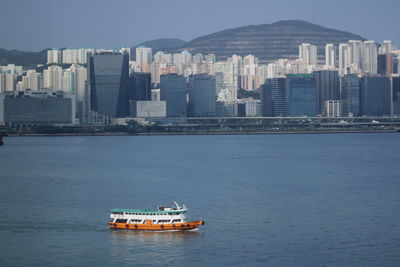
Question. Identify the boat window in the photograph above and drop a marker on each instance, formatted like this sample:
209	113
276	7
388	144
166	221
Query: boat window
136	221
121	213
176	220
163	221
121	220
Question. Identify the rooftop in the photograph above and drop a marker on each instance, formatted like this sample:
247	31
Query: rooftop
145	211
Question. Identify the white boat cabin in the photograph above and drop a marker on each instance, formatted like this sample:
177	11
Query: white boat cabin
163	215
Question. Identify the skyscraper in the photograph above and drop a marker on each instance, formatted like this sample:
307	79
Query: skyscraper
396	95
301	95
108	75
139	86
8	82
173	91
202	95
327	87
308	53
350	95
387	47
385	64
144	58
54	56
375	96
266	99
330	56
343	57
354	54
370	57
275	88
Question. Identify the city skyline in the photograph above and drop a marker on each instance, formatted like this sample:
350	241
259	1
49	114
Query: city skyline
44	24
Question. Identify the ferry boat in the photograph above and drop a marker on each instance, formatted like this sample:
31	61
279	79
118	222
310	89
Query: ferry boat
162	219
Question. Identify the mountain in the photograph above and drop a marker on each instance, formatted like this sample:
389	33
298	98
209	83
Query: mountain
267	41
161	44
23	58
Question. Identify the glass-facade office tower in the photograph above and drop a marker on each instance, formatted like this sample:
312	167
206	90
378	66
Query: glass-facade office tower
108	84
301	95
350	95
266	99
327	87
202	96
173	91
375	96
396	95
139	86
385	64
274	91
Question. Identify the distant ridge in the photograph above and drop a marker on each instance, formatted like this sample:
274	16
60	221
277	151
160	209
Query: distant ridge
23	58
267	41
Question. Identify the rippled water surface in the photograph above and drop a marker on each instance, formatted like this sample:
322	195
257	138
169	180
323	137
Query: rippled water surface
268	200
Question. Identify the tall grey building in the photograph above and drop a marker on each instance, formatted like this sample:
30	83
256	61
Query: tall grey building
327	87
173	91
139	86
350	95
38	107
108	75
375	96
266	100
202	95
301	95
219	81
396	95
274	97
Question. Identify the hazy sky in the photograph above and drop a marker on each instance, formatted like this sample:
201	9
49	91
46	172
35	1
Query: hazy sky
38	24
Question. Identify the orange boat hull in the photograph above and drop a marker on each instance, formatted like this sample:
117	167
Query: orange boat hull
157	227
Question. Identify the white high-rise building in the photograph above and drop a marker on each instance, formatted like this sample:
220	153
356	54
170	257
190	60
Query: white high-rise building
158	57
53	78
210	58
355	54
250	80
144	57
330	56
68	81
343	56
198	58
351	56
33	80
80	82
387	47
370	57
308	53
54	56
178	59
11	69
8	82
186	57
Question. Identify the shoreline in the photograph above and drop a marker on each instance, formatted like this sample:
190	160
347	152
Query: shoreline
204	133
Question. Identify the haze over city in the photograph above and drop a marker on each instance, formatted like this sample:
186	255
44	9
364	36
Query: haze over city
36	25
199	133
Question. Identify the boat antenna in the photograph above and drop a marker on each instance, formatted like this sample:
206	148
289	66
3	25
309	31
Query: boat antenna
177	206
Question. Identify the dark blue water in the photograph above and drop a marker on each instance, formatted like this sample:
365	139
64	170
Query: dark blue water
268	200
